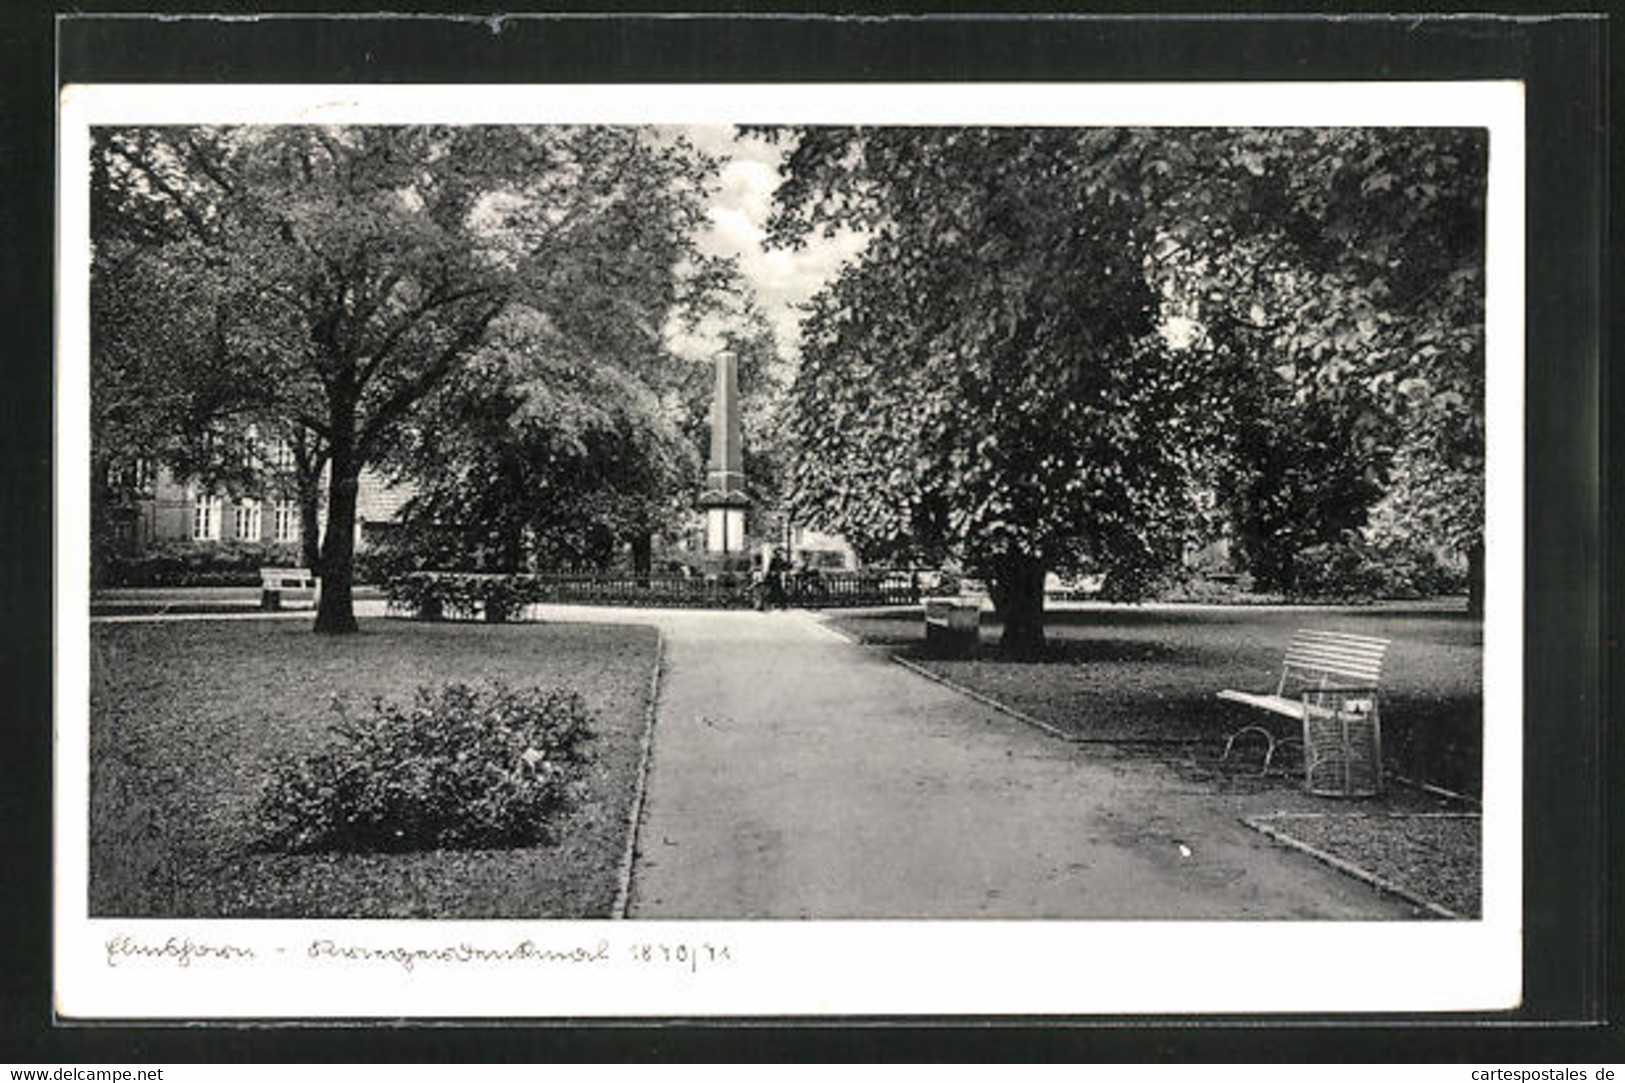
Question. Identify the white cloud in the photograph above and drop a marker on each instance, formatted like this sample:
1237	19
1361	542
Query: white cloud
741	205
748	186
734	233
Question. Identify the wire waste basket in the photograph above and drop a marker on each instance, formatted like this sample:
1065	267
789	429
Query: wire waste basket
1342	742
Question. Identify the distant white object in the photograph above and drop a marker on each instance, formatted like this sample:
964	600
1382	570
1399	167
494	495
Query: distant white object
273	581
1072	586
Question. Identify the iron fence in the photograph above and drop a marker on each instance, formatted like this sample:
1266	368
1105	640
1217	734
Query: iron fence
439	595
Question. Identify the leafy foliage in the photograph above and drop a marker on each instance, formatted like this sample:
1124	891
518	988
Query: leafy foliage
441	595
336	278
1056	341
187	565
539	458
1346	268
1294	474
557	472
457	767
1354	568
986	380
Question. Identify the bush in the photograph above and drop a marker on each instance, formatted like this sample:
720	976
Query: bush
457	767
1360	569
190	564
464	596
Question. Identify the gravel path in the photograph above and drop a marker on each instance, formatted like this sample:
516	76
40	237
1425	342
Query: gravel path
796	775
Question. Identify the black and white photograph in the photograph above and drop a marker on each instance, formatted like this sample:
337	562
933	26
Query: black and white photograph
1012	517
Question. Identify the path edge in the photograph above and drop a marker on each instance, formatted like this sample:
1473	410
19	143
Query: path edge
1022	716
986	701
1351	869
623	886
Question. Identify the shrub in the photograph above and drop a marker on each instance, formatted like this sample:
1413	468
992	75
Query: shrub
189	564
456	767
459	595
1356	568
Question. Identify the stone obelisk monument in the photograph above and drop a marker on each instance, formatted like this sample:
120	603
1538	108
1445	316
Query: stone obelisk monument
723	497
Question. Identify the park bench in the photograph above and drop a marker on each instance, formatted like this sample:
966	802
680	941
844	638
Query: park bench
1329	683
273	581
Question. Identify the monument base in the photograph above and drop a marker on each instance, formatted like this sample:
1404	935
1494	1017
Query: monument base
716	565
725	530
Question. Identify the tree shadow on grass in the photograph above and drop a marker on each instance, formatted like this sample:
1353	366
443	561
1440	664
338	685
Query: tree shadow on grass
1308	615
1067	652
1089	652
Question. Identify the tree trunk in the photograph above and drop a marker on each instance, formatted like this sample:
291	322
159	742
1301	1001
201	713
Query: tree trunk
336	613
1017	588
643	545
513	547
1475	580
309	456
310	525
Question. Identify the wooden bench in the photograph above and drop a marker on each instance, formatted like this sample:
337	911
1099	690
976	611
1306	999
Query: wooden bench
1319	668
273	581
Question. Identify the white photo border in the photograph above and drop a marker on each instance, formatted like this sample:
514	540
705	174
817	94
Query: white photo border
817	968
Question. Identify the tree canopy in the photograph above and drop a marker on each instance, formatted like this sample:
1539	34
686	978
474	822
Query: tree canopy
335	278
987	378
529	456
1343	269
1056	339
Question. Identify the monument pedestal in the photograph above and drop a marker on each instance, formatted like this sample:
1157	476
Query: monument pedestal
724	498
724	530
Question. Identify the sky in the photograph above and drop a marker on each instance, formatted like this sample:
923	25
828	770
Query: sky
739	210
781	279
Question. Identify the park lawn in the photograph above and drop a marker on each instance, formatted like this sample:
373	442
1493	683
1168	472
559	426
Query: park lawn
1133	674
186	718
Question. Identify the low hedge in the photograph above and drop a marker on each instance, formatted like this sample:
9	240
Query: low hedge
468	596
192	564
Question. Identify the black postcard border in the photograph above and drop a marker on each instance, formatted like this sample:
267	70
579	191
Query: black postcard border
1572	419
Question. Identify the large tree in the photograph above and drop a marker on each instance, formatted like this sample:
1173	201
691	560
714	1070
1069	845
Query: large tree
1346	266
986	379
1055	339
1291	472
536	455
344	275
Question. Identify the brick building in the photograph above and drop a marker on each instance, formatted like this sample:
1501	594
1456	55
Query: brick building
152	506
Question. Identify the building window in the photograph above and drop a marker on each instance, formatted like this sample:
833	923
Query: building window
141	476
251	448
287	521
206	518
282	455
246	522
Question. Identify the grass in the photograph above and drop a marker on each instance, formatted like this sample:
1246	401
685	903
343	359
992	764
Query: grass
186	717
1431	857
1138	674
